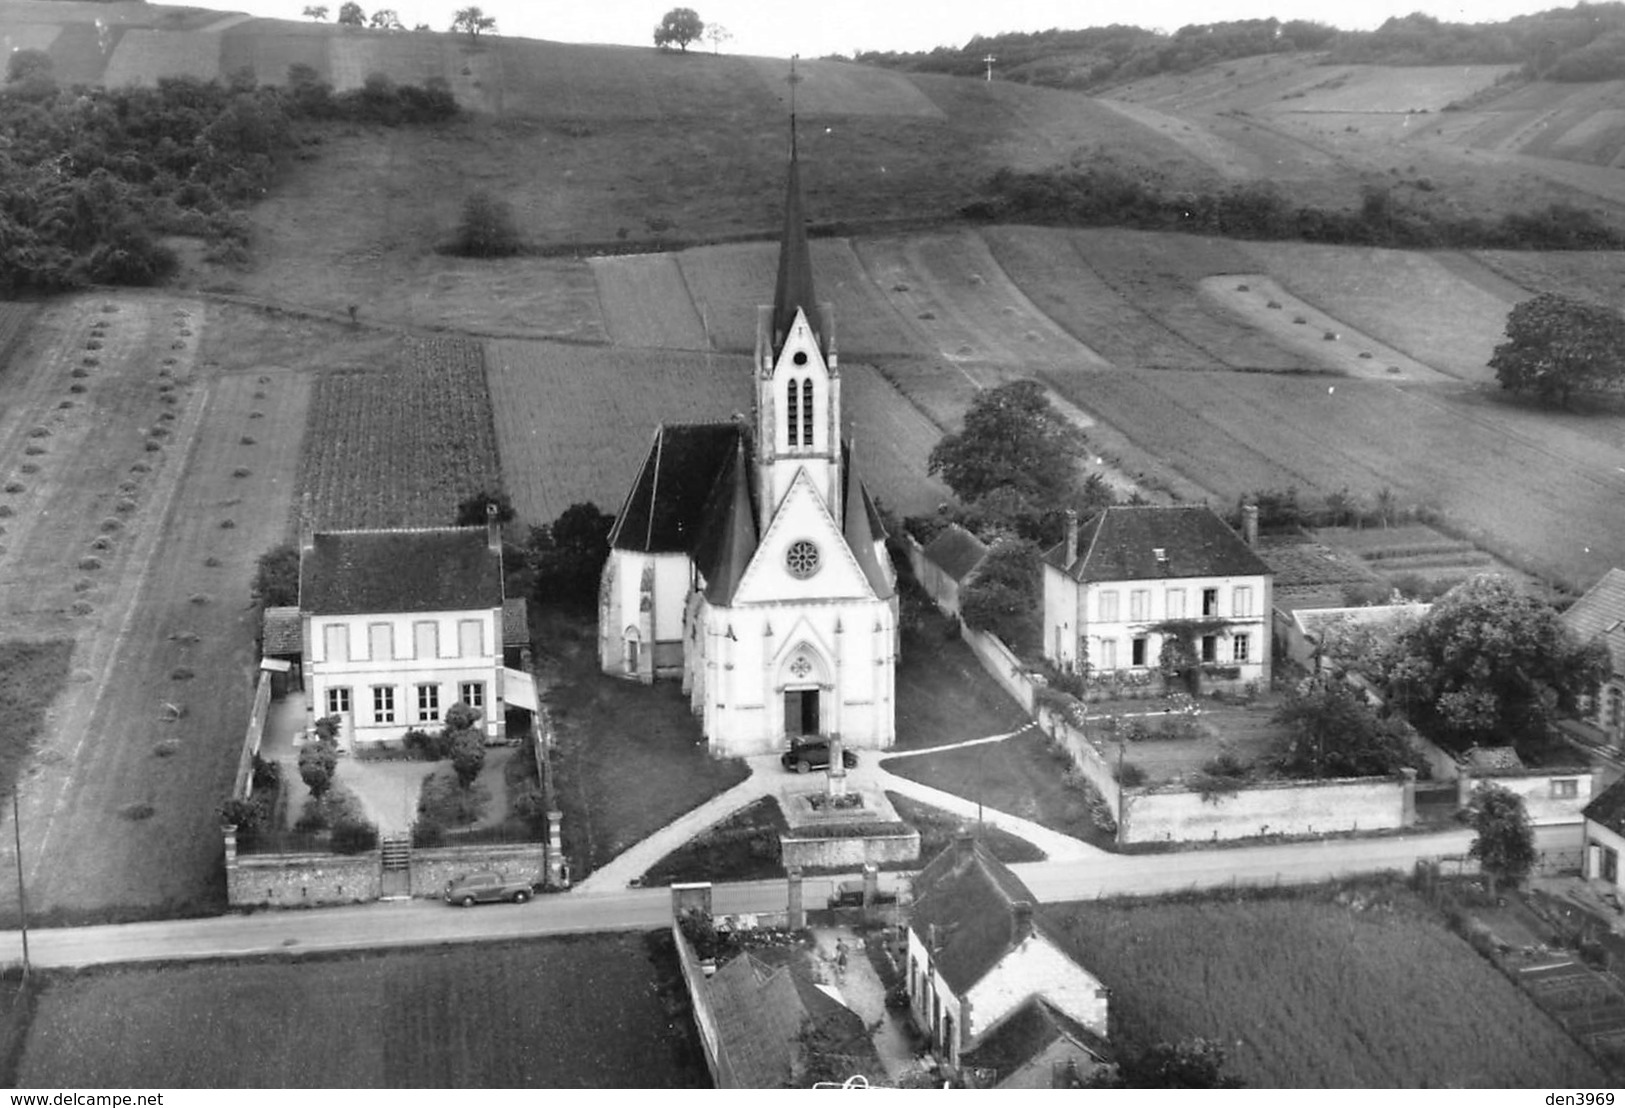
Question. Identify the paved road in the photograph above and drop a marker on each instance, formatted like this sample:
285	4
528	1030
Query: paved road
417	923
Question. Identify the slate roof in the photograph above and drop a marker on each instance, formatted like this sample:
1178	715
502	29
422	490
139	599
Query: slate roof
794	287
1027	1031
1600	613
515	622
967	902
1608	808
435	569
1119	544
760	1011
280	633
956	552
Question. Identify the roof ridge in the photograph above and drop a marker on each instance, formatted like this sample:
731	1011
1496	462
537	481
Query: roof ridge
403	530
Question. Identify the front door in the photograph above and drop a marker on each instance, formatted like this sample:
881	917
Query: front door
801	711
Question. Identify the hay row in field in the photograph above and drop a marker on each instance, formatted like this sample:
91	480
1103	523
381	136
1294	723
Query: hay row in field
400	445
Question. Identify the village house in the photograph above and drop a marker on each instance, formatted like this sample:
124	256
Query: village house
1600	614
398	625
946	563
1003	1002
749	560
1136	580
1605	835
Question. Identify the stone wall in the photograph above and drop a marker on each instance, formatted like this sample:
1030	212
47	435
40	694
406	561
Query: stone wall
849	853
1547	795
1271	808
302	880
432	867
1087	759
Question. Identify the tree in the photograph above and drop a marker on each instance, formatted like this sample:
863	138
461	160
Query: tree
1504	842
570	553
716	34
1013	438
351	15
1557	346
680	25
1003	595
318	761
386	19
1490	664
474	21
317	12
276	577
467	755
487	229
1333	732
1187	1064
471	510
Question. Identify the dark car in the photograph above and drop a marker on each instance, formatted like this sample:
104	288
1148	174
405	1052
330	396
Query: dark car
482	888
811	754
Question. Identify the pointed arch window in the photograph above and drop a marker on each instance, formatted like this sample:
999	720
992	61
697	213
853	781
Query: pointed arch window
792	422
806	412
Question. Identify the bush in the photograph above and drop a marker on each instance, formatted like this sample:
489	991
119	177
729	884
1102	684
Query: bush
318	761
427	746
351	836
467	756
487	229
427	832
1131	775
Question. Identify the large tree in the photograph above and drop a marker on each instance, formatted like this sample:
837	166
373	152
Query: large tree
1004	595
1504	842
474	21
569	555
352	15
1490	664
1558	346
681	26
1333	732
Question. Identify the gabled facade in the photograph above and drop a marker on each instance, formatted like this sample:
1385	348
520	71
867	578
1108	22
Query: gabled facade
398	625
748	560
978	957
1605	835
1133	579
1600	614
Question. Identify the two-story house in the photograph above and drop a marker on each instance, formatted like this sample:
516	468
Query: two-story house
1600	614
1137	580
1003	1001
398	625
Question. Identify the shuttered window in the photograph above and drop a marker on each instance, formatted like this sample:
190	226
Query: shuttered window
426	637
336	642
470	639
380	642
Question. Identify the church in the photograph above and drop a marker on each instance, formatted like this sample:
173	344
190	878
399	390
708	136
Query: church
748	559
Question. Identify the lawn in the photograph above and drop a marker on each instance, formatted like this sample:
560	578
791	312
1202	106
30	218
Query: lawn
31	674
1173	747
589	1011
1321	990
630	757
943	693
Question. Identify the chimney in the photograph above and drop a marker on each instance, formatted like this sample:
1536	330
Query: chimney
1249	524
493	529
1021	920
964	846
1071	537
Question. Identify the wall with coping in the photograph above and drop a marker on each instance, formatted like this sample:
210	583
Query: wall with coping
849	853
432	867
302	880
1270	808
1547	798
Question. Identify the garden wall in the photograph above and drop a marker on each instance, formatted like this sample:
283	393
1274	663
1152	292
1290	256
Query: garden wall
301	880
1271	808
432	867
1003	666
251	739
1547	795
850	852
1086	759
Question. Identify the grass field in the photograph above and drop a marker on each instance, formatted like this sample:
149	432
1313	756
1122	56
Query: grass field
143	56
401	444
1375	88
646	303
593	1011
1379	996
32	673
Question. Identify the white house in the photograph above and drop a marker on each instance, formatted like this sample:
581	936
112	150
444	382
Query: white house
1133	578
1605	835
749	560
1600	613
993	987
398	625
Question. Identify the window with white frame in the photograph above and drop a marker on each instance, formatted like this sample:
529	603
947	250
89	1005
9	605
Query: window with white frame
1565	788
428	703
1176	603
1241	648
470	639
1241	601
1139	605
383	704
336	642
338	702
426	638
380	642
1108	653
1108	606
472	693
1210	602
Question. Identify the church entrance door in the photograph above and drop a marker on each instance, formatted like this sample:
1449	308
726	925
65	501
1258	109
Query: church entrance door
801	712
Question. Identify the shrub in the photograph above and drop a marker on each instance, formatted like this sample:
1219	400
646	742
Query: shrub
467	756
351	836
318	761
427	832
487	229
1130	775
276	576
427	746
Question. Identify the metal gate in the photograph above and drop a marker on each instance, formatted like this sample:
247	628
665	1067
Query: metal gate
397	868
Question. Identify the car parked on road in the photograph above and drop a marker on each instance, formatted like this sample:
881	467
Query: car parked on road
806	755
482	888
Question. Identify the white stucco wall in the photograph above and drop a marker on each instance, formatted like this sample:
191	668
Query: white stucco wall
1597	839
1548	798
1034	968
1290	808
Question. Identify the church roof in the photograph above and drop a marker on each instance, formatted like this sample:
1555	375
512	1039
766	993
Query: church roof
729	533
1121	543
436	569
665	511
795	283
863	529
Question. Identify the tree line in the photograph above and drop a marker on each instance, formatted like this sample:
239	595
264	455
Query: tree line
91	179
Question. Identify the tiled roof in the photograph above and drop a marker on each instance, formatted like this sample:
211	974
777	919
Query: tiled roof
761	1010
1608	808
1120	544
1026	1032
280	633
439	569
956	552
1493	759
966	899
665	511
1600	613
515	622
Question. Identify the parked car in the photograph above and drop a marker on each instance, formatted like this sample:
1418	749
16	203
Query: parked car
479	888
811	754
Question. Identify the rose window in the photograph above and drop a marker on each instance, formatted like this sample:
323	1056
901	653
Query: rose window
802	558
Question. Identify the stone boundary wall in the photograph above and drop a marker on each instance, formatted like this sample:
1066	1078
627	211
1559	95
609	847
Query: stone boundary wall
849	854
1087	759
1540	795
432	867
242	784
302	880
1269	808
699	996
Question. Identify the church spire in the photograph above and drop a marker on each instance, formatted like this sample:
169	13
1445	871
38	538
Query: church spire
795	285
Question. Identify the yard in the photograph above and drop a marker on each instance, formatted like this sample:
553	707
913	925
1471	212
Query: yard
588	1011
1365	988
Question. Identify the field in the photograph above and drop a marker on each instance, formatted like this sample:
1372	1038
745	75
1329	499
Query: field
402	443
144	56
1374	993
514	1015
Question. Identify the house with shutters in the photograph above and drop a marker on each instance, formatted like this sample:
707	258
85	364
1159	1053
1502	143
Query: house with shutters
748	561
1003	1002
1143	589
1600	614
397	625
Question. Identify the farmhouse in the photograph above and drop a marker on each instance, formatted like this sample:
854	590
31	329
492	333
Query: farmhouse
1600	613
947	563
748	559
1140	589
1004	1003
398	625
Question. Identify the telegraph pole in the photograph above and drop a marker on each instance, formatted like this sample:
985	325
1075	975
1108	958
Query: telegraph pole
22	899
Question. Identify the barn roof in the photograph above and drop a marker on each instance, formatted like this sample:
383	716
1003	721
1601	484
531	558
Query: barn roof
1120	544
956	552
761	1010
280	633
436	569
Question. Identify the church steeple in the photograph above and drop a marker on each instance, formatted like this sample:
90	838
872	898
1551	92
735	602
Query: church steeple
795	284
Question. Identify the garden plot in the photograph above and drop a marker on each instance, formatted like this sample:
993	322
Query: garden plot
1323	343
143	56
646	303
1408	299
842	88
